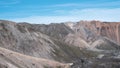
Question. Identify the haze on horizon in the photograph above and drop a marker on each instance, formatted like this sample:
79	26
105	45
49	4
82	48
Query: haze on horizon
50	11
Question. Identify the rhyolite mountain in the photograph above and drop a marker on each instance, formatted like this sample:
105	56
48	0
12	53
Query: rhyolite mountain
84	44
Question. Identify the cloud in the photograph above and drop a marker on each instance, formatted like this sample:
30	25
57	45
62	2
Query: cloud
9	2
88	4
75	15
46	19
66	5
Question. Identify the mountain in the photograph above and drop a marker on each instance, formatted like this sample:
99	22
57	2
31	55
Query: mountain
10	59
62	42
90	31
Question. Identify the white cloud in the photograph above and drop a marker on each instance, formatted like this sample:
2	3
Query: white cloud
75	15
66	5
47	19
87	4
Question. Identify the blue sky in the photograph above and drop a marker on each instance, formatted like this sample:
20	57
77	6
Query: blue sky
52	11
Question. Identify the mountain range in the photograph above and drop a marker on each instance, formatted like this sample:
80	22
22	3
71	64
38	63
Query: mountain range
83	44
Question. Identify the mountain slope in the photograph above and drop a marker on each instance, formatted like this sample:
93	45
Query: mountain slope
10	59
61	42
91	31
24	39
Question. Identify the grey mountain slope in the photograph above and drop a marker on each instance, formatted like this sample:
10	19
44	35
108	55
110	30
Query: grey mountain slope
56	30
10	59
56	42
23	39
105	44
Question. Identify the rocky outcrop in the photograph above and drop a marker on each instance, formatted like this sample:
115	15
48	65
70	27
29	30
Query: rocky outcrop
110	30
97	63
91	30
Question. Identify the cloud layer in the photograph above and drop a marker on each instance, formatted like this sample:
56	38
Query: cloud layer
75	15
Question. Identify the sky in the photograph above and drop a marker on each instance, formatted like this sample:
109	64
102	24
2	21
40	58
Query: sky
57	11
